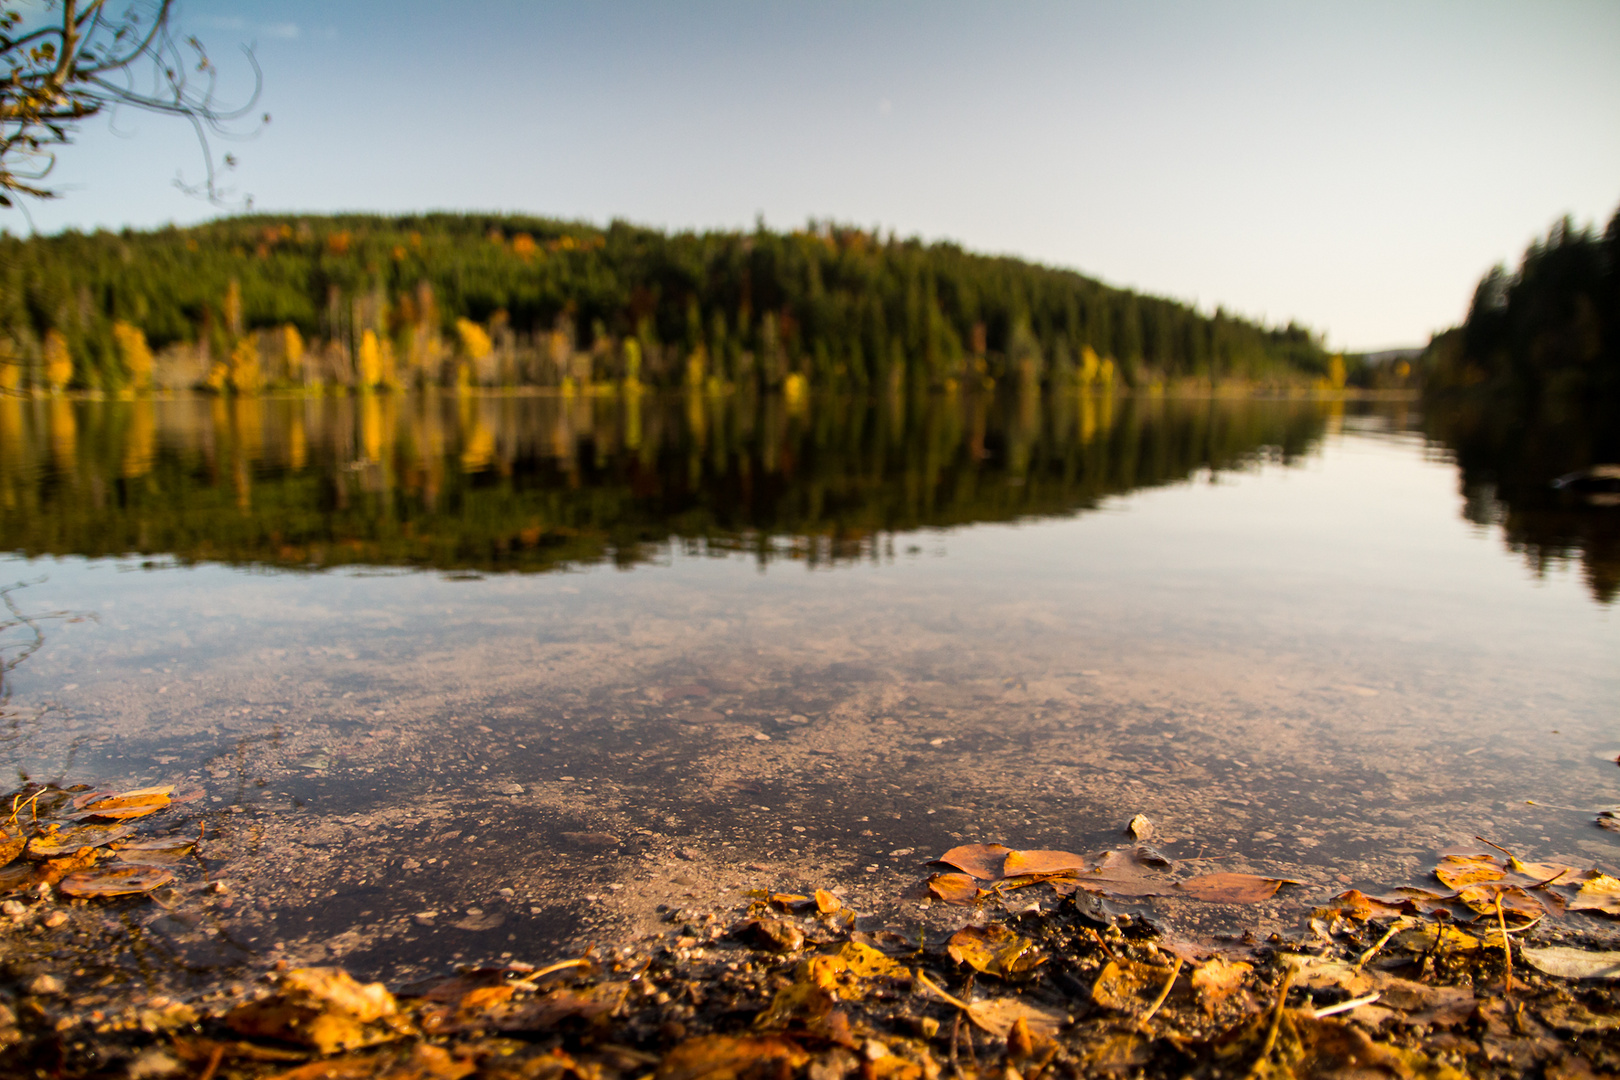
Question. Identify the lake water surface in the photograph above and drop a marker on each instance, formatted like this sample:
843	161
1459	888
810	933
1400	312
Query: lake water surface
454	679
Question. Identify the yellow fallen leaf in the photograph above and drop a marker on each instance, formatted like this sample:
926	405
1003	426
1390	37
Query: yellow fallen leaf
1457	871
995	950
115	881
1600	892
954	888
1217	979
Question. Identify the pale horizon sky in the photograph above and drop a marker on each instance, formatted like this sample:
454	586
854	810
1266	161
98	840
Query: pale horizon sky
1354	168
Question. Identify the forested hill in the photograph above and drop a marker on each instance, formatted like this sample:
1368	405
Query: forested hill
356	300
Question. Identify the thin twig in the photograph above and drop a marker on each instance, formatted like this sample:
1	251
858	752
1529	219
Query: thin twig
1395	928
1276	1021
213	1062
1507	948
1169	984
1101	941
1045	1061
1346	1006
956	1039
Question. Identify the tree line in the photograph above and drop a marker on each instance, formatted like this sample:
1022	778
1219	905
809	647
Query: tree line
361	301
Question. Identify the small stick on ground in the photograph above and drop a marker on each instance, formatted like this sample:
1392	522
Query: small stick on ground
1103	943
1346	1006
1169	984
1361	961
213	1062
1507	947
1276	1021
956	1039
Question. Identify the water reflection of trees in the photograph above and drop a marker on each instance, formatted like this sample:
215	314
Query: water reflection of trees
1509	453
530	483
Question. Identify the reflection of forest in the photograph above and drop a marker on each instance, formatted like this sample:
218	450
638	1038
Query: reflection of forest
529	483
1509	452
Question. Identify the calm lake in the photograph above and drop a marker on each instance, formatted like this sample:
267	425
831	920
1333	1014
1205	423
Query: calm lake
451	679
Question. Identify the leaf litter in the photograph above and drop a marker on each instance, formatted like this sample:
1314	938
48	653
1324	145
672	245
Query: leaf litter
1485	977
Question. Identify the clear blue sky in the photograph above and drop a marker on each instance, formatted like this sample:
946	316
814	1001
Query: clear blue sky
1355	167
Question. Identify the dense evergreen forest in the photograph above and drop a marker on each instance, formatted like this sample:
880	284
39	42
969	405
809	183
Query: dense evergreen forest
356	300
1546	336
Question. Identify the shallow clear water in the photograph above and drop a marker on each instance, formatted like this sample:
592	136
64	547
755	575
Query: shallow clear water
779	650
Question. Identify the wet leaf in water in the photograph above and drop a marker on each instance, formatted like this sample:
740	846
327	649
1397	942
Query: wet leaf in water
55	870
67	841
728	1057
15	878
1127	986
995	950
162	852
983	861
1123	872
1569	963
123	805
1227	888
1600	892
1459	871
827	903
865	962
1040	863
11	846
954	888
1217	979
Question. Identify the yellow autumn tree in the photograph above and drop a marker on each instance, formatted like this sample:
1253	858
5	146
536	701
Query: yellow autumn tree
58	361
475	341
292	351
135	353
10	365
368	365
245	375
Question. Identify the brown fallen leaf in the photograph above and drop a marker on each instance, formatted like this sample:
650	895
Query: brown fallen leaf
1481	899
995	950
1458	871
728	1057
67	841
773	934
1571	963
827	903
1043	863
323	1008
123	805
1225	888
163	852
1127	986
998	1015
1122	872
865	962
1355	904
115	881
1599	892
983	861
954	888
1217	979
590	1003
1436	938
11	845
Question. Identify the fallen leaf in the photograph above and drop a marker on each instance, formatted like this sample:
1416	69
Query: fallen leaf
590	1003
115	881
827	903
802	1001
1481	899
1458	871
954	888
727	1057
995	950
773	934
1600	892
1217	979
11	846
1574	1017
998	1015
13	878
983	861
1041	863
787	901
1570	963
123	805
67	841
1127	986
1436	938
163	852
1354	904
1139	828
1233	888
865	962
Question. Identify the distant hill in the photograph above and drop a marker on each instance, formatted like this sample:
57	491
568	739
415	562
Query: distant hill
349	300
